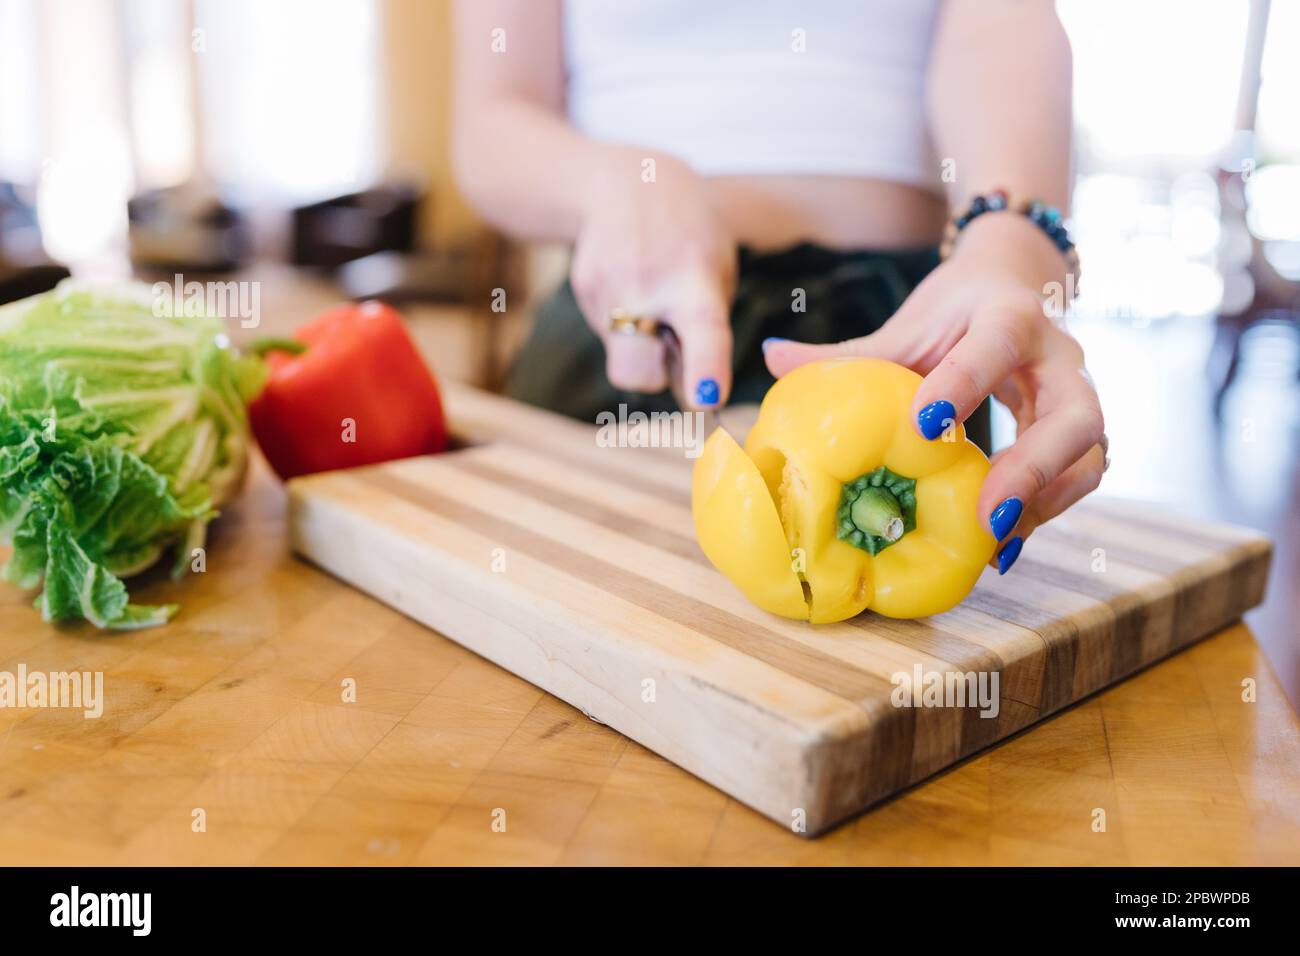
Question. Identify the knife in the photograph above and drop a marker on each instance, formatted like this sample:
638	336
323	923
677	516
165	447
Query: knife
676	381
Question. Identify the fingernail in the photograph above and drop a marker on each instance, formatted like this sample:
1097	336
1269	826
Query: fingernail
772	341
1005	516
934	418
706	393
1010	551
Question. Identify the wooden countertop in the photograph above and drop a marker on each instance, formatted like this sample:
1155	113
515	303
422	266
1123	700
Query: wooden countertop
236	710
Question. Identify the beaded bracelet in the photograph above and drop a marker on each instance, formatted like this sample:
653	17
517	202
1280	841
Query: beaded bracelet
1045	217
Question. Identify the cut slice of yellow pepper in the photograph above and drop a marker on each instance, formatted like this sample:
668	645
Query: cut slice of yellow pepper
738	527
836	505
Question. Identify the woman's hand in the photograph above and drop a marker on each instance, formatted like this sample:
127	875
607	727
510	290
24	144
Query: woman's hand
976	326
657	249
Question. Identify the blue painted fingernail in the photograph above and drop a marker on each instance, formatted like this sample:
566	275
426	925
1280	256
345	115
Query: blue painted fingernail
772	341
1005	516
706	393
934	418
1010	551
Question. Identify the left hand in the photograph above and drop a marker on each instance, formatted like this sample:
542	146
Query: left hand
976	326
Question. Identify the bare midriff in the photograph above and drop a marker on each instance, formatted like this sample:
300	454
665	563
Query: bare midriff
842	212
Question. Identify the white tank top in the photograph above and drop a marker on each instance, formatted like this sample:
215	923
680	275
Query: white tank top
832	87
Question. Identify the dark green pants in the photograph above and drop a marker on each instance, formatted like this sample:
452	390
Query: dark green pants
807	293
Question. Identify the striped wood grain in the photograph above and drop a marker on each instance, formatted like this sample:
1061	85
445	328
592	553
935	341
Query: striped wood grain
575	567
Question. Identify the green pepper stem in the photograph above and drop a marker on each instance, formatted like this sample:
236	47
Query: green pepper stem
271	344
877	512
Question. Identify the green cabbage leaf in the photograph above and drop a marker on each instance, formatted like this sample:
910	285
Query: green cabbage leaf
121	432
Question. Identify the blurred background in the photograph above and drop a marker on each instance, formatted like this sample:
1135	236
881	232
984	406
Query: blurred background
303	144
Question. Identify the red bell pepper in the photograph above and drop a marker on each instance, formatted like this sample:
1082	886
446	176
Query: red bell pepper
348	389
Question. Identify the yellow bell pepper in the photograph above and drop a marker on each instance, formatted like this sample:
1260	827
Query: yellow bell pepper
836	504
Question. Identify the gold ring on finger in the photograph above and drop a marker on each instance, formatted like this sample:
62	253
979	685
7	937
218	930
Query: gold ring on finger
622	322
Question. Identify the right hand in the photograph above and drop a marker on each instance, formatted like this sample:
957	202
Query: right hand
657	249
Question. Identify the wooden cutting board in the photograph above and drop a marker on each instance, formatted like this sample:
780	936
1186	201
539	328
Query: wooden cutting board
575	567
